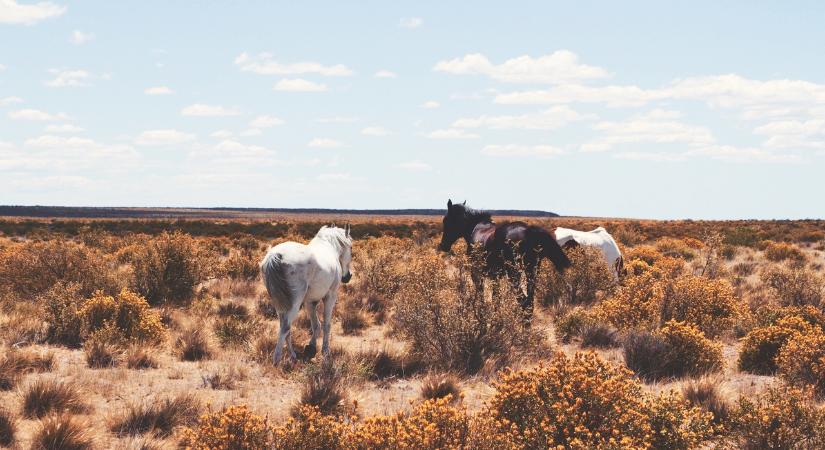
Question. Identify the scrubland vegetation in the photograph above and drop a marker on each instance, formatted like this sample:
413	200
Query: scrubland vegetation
158	334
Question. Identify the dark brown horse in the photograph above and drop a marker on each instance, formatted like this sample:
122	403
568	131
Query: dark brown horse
508	248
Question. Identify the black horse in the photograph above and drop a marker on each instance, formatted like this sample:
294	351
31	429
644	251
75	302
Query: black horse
503	249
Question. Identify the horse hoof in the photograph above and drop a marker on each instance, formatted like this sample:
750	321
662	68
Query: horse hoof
310	351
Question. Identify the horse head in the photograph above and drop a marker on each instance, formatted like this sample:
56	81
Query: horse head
454	225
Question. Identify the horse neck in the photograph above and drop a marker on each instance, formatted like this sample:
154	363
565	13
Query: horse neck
326	242
472	221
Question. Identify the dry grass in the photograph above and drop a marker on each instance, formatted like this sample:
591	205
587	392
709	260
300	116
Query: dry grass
63	432
192	344
159	417
44	396
8	427
140	357
705	393
439	386
17	363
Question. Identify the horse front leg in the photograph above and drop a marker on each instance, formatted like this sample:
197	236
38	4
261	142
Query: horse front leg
329	304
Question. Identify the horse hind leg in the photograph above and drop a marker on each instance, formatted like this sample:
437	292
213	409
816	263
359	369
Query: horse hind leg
312	347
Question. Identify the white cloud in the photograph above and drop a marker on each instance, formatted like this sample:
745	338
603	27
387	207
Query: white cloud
561	66
2	67
201	110
410	23
158	90
12	12
338	178
251	132
338	119
613	96
234	152
265	121
164	137
5	101
553	118
385	74
430	104
451	133
299	85
64	128
69	78
652	156
80	37
657	126
50	141
794	134
732	153
36	114
324	143
414	165
375	131
263	64
542	151
221	134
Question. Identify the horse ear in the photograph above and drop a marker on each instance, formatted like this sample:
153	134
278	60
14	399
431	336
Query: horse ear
348	229
449	203
465	203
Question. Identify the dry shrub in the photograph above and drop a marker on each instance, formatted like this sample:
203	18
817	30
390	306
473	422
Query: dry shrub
232	309
704	393
676	350
599	335
310	429
231	428
139	357
380	272
100	352
585	403
353	318
646	253
21	323
8	427
588	276
234	331
794	286
384	364
432	424
761	346
158	417
63	432
676	248
324	389
192	344
31	269
17	363
781	251
47	395
167	268
709	304
264	346
224	379
243	265
125	318
569	322
266	308
62	303
628	235
801	360
635	305
440	385
780	418
453	326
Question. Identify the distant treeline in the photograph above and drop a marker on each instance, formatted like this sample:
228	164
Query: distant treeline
205	213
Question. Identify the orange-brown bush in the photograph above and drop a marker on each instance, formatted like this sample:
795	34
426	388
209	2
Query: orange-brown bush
29	270
705	393
242	265
781	251
709	304
761	346
678	248
167	268
450	324
635	305
794	286
781	418
231	428
587	277
585	403
801	360
676	350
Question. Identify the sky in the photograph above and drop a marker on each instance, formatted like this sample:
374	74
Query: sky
663	110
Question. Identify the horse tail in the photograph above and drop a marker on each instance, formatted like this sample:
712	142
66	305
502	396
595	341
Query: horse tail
273	271
551	250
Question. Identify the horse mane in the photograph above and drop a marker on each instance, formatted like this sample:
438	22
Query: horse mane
477	215
337	237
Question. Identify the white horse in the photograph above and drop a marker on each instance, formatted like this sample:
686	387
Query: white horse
597	238
297	274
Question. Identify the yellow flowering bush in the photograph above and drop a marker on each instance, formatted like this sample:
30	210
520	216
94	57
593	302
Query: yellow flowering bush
761	346
710	304
781	251
689	351
676	425
802	360
781	418
310	429
635	304
127	317
646	253
578	403
678	248
235	427
433	424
